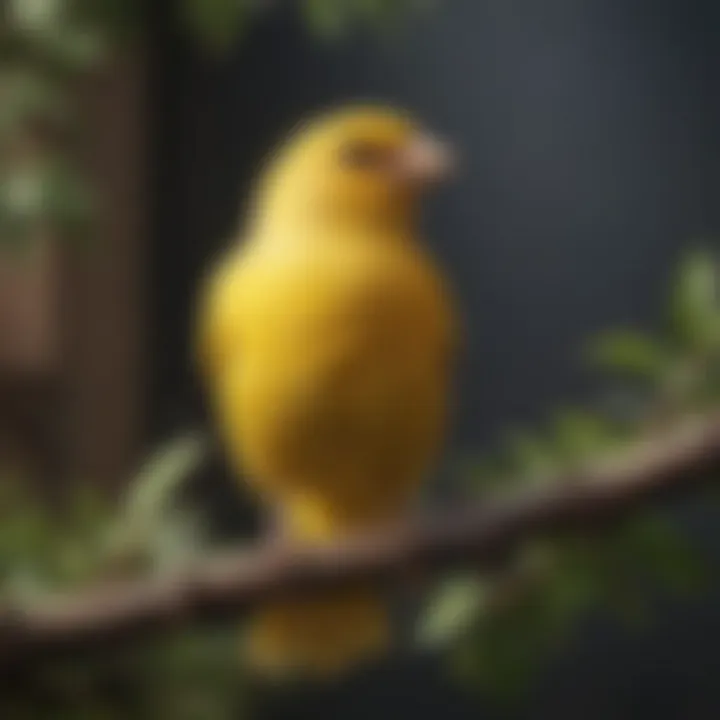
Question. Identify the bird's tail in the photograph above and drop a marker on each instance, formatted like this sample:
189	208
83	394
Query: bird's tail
323	635
318	637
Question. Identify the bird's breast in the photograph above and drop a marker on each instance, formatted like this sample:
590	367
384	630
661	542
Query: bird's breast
343	369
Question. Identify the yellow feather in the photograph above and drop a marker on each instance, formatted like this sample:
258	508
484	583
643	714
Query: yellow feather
326	341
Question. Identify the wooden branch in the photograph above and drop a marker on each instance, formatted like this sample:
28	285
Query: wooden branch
673	462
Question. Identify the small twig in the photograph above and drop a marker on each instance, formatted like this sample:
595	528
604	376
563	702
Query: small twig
675	462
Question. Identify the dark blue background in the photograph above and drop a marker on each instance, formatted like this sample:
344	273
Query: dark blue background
589	135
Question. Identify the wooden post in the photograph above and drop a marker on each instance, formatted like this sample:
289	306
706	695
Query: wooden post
104	286
72	319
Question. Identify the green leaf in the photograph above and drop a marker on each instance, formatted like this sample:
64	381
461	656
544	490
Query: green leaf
26	96
696	303
23	584
630	353
664	555
70	47
509	645
160	477
177	540
451	610
23	195
508	640
34	197
152	493
573	588
579	434
35	15
529	456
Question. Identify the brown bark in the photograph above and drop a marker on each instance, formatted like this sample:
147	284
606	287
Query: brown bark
674	462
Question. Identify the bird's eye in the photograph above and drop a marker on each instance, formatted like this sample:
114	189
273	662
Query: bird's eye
359	154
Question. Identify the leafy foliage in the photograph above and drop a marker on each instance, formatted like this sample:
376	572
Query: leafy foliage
695	305
47	45
501	628
193	674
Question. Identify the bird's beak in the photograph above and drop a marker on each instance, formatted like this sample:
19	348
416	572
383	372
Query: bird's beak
426	160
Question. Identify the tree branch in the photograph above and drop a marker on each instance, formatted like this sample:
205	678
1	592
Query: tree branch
675	461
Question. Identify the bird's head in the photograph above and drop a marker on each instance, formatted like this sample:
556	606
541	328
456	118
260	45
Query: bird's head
360	164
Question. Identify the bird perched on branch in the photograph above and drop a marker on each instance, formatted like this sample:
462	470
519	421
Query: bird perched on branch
326	337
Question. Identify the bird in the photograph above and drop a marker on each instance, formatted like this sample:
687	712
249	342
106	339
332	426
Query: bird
326	339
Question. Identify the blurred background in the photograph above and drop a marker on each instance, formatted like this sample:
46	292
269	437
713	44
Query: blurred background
588	133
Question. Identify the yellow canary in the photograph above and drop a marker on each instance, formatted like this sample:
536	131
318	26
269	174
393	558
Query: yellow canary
326	338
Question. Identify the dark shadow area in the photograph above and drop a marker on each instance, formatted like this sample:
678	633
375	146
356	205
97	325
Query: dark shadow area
590	141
